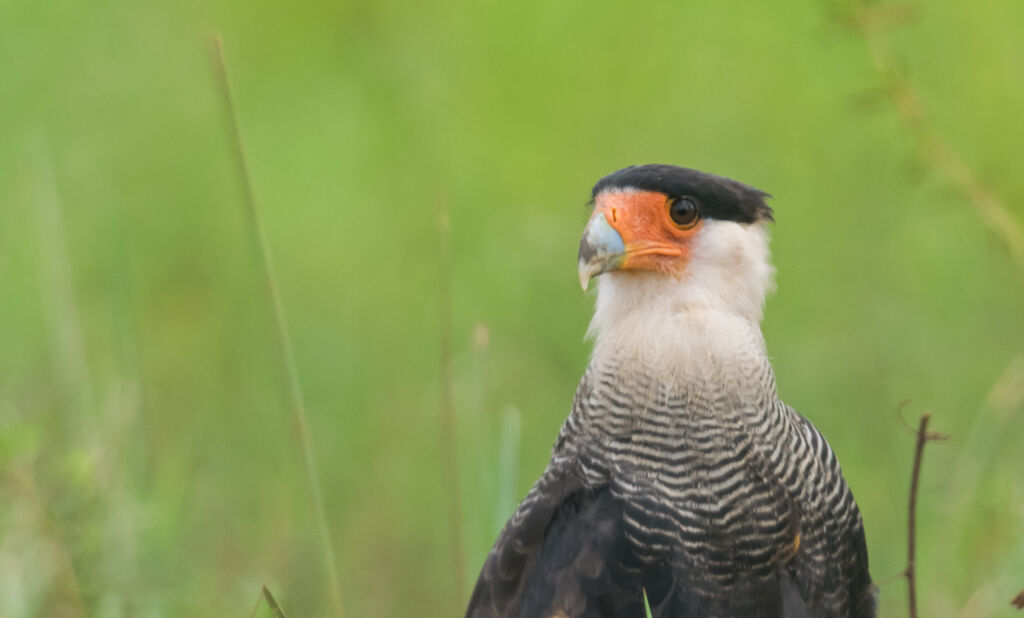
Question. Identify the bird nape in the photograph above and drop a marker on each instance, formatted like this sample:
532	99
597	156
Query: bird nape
679	472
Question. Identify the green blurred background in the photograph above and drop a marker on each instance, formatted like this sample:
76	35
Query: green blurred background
149	464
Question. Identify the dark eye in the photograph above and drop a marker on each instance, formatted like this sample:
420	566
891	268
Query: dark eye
684	212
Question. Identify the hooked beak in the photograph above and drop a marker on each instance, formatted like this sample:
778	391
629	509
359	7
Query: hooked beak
601	249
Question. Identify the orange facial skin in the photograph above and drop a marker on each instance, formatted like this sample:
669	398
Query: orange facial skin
653	241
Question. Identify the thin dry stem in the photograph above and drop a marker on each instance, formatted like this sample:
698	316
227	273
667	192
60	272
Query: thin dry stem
912	518
911	572
286	355
870	21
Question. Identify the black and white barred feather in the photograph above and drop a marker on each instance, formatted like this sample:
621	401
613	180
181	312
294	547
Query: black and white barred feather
716	501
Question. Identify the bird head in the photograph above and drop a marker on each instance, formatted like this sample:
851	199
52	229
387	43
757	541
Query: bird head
699	235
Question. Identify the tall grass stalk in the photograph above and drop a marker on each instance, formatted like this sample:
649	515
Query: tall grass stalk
73	376
275	607
509	440
449	441
286	354
57	287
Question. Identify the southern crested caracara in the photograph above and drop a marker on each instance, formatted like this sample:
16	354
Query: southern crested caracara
679	472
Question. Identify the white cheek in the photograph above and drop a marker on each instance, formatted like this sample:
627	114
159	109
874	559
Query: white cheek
730	268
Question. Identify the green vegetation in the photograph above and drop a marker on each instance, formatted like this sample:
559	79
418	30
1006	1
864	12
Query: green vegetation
149	461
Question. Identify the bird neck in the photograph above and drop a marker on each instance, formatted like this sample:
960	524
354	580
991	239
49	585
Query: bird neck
674	329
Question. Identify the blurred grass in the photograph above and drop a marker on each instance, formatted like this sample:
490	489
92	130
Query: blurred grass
153	472
285	349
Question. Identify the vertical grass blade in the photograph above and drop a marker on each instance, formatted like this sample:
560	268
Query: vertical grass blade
509	438
275	607
449	440
286	354
56	284
74	383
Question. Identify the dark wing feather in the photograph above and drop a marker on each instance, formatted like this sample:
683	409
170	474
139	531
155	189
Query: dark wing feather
555	558
793	604
565	555
568	552
498	589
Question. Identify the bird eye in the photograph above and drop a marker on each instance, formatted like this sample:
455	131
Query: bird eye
684	212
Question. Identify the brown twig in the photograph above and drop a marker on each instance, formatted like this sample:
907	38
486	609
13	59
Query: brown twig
934	435
870	20
888	579
286	354
1018	601
449	442
911	572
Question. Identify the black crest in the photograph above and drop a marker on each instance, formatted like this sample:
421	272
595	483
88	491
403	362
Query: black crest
718	197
